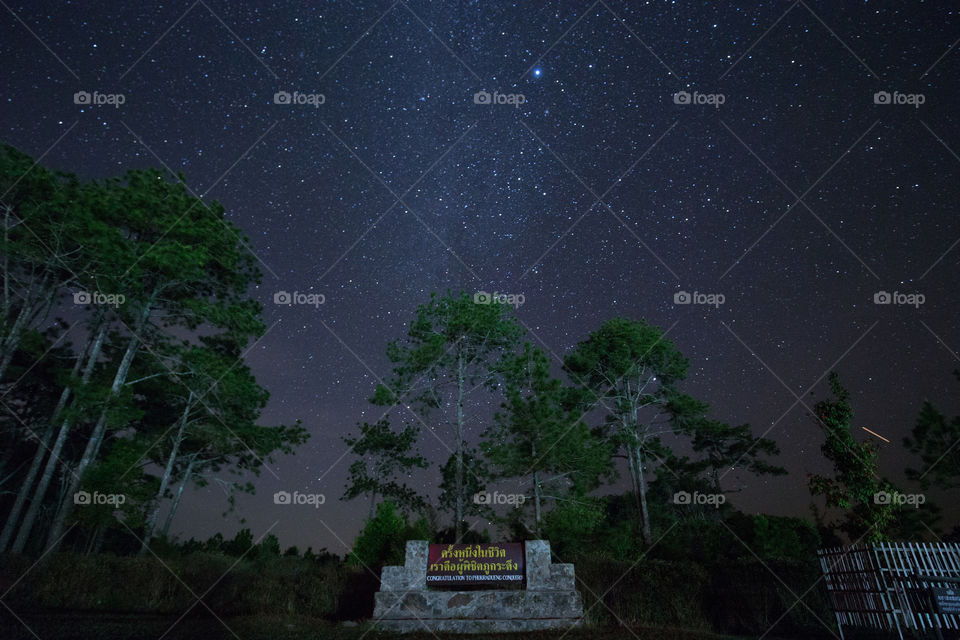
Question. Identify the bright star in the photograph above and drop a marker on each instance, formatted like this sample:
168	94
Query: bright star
537	72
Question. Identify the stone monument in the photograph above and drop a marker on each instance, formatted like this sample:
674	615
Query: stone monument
548	598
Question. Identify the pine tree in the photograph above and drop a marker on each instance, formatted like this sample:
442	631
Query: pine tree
855	485
537	439
453	346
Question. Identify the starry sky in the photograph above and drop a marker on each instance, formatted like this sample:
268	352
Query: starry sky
597	158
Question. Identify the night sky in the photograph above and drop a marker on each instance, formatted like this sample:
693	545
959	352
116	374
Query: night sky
595	194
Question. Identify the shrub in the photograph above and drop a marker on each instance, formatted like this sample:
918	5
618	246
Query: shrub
651	592
134	584
742	597
383	539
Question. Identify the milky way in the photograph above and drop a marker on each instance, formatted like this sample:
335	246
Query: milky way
790	159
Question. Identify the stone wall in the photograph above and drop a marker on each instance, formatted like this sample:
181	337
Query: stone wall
549	601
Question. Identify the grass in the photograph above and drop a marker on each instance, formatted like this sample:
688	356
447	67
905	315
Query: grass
75	596
204	626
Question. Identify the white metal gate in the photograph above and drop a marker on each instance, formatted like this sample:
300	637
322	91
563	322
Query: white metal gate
888	585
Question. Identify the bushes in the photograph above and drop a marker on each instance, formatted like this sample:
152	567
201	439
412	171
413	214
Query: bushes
142	585
744	597
750	597
383	539
651	592
571	525
741	596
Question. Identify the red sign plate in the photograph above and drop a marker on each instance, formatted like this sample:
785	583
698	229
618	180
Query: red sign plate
498	563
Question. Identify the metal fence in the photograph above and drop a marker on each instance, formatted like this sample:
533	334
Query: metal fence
894	586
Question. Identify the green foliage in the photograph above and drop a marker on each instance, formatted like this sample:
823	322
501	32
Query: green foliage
241	544
268	548
476	474
747	597
384	537
478	334
469	536
119	474
780	537
622	348
571	526
214	543
725	446
855	481
914	523
666	600
180	274
703	541
383	454
538	439
628	370
453	346
133	585
650	593
935	440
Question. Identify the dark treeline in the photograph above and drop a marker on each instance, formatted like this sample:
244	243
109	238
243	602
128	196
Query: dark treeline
124	315
555	441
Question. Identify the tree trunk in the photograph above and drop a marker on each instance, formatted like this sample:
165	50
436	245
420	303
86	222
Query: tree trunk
92	539
3	467
536	499
644	515
12	340
6	264
638	464
54	458
459	475
633	477
99	430
536	486
165	479
373	504
631	432
176	500
14	516
97	545
9	340
60	498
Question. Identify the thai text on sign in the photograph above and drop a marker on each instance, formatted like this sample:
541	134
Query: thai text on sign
483	563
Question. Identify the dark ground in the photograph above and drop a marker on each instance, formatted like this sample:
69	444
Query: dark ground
206	627
203	626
